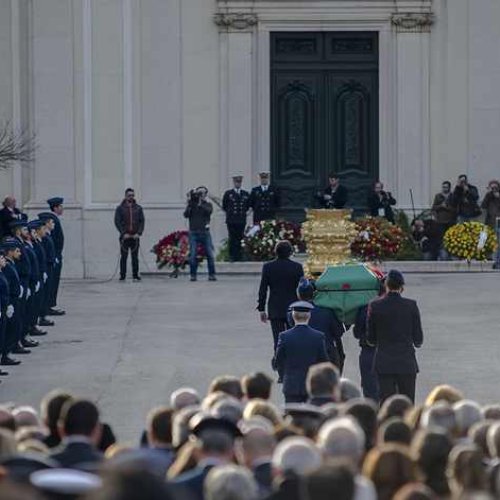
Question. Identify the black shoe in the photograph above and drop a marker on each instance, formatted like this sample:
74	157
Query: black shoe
45	322
137	278
3	374
212	277
56	312
29	343
20	350
36	332
6	361
193	278
122	278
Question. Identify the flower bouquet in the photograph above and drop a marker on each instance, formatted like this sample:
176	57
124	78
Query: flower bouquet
259	241
470	241
377	239
173	251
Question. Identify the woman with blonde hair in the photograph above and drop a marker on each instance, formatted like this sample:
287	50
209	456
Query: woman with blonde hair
262	408
445	393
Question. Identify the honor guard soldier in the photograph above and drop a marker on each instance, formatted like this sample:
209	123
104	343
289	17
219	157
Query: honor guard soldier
298	349
265	200
56	208
236	203
4	305
50	251
12	251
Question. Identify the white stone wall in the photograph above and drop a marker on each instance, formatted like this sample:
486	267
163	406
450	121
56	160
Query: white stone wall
153	94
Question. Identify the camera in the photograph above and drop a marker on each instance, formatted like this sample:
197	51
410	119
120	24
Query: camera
194	196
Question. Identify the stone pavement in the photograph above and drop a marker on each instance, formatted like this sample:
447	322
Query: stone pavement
128	345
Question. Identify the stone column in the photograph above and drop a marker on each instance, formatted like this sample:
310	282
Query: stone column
413	118
236	90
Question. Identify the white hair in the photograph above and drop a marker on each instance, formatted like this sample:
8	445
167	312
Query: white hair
296	454
230	482
439	415
467	413
185	396
342	437
26	416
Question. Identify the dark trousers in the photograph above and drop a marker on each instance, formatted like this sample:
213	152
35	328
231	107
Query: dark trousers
12	330
35	306
235	233
129	245
293	398
278	326
369	381
398	383
56	278
22	320
48	287
3	327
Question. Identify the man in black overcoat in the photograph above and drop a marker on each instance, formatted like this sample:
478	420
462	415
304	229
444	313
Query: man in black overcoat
281	277
394	328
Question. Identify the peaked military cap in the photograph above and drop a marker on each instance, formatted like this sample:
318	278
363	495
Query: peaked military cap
18	223
203	422
46	215
10	244
301	306
35	224
56	200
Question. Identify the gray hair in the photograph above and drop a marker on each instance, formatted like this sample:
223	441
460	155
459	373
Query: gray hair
229	408
230	482
26	416
440	416
296	454
342	438
185	396
467	413
349	390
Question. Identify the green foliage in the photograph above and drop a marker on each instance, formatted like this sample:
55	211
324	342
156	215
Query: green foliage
408	250
223	255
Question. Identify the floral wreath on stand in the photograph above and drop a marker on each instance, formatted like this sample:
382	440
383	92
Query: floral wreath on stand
470	241
172	251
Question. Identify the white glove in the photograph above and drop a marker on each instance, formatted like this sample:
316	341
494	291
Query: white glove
37	287
45	277
28	293
57	260
21	291
10	311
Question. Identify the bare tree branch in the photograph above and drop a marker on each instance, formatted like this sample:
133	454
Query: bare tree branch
15	146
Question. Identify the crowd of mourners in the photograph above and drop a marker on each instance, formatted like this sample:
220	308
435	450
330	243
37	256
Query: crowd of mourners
234	443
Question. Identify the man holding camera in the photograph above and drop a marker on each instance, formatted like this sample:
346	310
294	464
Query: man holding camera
380	202
199	211
129	220
335	195
465	198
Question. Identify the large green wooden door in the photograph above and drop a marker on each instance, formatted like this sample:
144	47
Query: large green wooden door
324	115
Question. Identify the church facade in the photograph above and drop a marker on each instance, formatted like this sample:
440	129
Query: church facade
167	95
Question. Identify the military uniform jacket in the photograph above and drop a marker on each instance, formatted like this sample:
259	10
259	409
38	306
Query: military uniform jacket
41	257
58	237
35	275
4	292
50	250
298	349
236	206
10	272
264	203
23	267
395	330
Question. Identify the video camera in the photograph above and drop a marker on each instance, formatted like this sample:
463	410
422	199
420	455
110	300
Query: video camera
195	195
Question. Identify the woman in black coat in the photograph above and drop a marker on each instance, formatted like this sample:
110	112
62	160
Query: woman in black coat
380	202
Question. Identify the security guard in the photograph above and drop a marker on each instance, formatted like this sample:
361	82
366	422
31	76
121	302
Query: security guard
236	203
56	206
265	200
298	349
12	251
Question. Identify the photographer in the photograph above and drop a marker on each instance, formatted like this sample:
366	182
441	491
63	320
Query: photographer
380	202
491	203
334	195
198	211
465	198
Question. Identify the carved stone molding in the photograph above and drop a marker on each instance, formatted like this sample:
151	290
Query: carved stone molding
236	21
413	22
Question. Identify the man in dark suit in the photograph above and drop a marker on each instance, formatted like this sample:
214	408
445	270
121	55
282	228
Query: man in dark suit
235	203
8	214
57	209
298	349
334	195
80	430
395	330
281	276
265	200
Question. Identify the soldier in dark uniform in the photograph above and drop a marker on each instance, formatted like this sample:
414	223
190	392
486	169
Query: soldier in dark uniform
50	252
265	200
298	349
236	203
395	330
12	251
57	209
23	267
4	304
334	195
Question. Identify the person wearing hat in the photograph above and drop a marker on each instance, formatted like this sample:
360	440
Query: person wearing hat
265	200
281	277
8	214
50	252
298	349
56	206
12	252
334	195
395	330
325	321
235	203
5	300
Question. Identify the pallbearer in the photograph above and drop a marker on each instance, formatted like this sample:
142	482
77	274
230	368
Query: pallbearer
265	200
57	209
236	203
